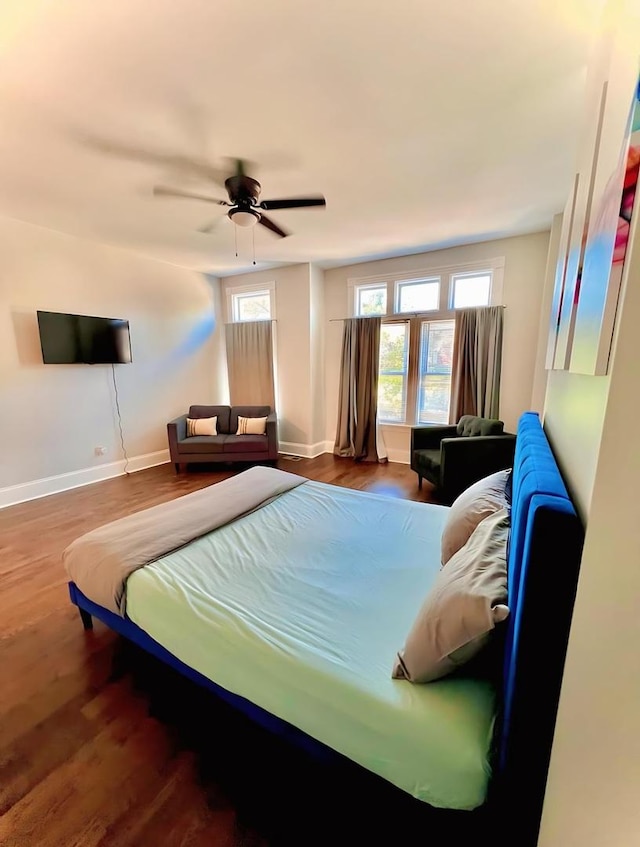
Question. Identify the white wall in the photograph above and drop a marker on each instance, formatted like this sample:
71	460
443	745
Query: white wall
524	275
53	416
540	374
573	420
317	339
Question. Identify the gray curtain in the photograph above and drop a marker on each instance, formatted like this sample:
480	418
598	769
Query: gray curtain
477	362
250	363
358	399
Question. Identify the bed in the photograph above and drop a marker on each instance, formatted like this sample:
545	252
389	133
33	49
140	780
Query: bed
293	613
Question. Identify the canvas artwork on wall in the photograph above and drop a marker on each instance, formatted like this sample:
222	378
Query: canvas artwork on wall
598	288
596	223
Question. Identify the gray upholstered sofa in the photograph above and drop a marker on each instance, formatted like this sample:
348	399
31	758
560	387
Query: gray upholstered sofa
226	446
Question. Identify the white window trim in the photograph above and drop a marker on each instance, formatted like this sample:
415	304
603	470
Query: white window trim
232	291
445	272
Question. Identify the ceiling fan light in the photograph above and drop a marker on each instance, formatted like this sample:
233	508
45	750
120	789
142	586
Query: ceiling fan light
240	217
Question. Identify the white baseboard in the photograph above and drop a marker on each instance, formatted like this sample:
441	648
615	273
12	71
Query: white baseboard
310	451
399	456
14	494
307	451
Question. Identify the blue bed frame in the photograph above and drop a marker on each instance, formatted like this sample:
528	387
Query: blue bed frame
545	548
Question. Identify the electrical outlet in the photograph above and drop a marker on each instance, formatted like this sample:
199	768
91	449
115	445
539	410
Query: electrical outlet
100	451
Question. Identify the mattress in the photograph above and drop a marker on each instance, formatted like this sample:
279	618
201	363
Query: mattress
301	606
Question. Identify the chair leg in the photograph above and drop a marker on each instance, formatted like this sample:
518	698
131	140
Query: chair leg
176	465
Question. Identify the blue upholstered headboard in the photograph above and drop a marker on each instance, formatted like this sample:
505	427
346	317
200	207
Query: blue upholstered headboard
545	547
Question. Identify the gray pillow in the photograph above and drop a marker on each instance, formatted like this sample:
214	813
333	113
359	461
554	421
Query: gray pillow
467	600
476	503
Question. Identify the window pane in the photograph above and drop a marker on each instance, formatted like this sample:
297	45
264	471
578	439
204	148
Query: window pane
392	380
436	354
252	307
372	301
471	290
420	296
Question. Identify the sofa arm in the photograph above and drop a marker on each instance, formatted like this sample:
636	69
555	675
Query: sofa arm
272	435
466	460
176	430
429	437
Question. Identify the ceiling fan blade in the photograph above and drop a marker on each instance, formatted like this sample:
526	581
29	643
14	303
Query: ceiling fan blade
265	221
164	191
195	166
293	203
208	228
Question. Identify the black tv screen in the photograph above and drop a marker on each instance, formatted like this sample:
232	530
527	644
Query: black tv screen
72	339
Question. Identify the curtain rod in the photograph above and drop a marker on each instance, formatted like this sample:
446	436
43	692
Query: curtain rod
401	315
269	321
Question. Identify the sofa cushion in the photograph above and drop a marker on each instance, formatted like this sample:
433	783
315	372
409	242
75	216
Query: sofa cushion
246	444
220	412
469	425
203	444
246	412
427	462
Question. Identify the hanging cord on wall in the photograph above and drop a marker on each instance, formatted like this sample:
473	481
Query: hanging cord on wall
124	449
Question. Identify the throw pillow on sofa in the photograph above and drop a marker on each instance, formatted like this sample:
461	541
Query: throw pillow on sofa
251	426
202	426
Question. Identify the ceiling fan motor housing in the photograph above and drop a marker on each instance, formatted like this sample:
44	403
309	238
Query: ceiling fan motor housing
242	189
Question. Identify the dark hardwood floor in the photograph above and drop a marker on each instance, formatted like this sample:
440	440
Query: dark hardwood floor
102	745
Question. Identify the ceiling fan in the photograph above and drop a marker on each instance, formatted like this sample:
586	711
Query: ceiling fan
245	207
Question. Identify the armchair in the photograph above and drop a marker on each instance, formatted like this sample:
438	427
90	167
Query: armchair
454	457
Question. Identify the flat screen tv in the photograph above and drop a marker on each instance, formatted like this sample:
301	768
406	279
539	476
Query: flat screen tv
72	339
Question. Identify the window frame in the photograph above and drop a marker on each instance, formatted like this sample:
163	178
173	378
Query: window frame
394	281
235	291
369	287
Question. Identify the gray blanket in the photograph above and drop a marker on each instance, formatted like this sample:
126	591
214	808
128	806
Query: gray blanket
101	561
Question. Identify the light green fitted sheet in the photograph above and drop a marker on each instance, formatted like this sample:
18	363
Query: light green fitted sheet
301	606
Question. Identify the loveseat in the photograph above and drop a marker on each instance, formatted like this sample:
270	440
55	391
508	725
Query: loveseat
226	446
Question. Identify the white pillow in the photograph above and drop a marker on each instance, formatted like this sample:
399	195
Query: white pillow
251	426
202	426
476	503
467	600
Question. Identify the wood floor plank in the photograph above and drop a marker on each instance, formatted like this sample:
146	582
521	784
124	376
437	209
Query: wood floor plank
93	751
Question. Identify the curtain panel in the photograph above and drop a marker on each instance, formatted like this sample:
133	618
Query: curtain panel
477	363
357	431
250	363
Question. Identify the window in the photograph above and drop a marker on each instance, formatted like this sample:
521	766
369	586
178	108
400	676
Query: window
251	306
434	376
418	295
371	300
468	290
392	377
416	338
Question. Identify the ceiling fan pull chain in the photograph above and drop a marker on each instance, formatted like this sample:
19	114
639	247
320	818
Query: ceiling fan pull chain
253	239
235	237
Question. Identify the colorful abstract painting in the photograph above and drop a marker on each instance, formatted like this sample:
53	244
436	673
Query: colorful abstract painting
600	276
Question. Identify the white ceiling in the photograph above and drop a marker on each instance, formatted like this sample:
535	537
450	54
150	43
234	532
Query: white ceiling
424	123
